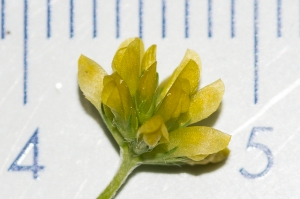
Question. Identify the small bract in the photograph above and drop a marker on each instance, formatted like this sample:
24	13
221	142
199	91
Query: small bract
150	122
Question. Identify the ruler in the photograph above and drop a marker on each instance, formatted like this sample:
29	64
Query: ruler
54	143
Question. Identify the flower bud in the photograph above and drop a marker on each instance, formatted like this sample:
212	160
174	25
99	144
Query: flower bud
153	132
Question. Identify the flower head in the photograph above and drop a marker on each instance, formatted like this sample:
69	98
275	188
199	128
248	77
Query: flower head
152	121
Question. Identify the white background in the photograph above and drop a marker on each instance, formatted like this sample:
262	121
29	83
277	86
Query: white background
79	154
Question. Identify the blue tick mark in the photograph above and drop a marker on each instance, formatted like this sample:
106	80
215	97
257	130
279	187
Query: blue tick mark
186	19
71	18
163	18
25	64
48	19
94	18
255	51
209	18
117	18
2	19
232	18
141	18
278	18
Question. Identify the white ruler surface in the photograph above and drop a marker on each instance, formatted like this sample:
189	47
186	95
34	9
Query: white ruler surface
53	143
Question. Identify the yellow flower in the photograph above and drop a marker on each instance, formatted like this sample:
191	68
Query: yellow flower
150	121
153	131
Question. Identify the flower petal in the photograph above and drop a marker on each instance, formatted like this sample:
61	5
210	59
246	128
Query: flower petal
198	157
147	87
90	79
153	131
182	106
206	101
127	62
216	157
212	158
113	99
189	69
170	103
149	58
151	125
191	72
116	95
164	133
175	103
108	86
126	42
151	139
197	140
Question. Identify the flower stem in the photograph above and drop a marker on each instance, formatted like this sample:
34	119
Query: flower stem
128	164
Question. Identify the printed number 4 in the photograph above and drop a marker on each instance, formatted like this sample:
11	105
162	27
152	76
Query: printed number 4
35	168
262	147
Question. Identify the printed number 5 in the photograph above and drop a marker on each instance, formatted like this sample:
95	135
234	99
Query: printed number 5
262	147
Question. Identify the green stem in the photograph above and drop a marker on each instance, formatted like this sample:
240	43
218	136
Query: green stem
128	164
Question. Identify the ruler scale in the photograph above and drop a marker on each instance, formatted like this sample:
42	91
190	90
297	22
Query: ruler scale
94	18
232	24
256	40
209	18
53	143
186	18
163	18
117	18
48	18
278	18
2	19
141	18
71	18
25	76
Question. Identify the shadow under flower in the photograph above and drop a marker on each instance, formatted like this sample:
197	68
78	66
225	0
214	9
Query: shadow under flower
93	112
174	169
195	170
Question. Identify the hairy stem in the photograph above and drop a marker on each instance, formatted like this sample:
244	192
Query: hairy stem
128	164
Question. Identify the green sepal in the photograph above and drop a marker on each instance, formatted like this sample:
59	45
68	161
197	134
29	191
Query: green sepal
127	128
111	127
144	111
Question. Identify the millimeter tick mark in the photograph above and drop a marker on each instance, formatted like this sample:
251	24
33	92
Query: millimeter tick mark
141	18
255	51
71	18
232	18
117	18
94	18
25	69
186	19
2	19
48	18
163	18
209	18
278	18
